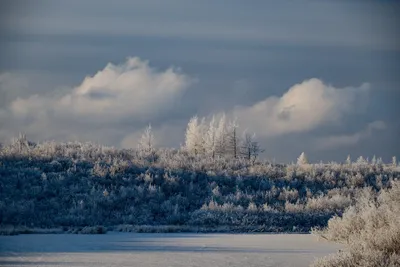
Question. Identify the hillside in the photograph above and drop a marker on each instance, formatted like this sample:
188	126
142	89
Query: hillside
82	184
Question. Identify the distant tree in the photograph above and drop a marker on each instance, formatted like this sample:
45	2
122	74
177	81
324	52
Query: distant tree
220	137
361	160
302	159
21	143
348	160
373	161
146	143
250	148
394	161
210	139
232	139
194	136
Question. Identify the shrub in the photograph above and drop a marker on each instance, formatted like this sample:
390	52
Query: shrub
370	229
91	230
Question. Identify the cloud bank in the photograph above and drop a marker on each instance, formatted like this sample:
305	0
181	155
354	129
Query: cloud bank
129	89
304	107
132	91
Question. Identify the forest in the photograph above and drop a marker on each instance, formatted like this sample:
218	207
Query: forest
214	182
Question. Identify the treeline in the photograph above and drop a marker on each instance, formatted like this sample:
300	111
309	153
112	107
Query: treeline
213	139
220	139
82	184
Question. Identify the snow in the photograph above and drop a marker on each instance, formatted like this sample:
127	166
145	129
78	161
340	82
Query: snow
183	249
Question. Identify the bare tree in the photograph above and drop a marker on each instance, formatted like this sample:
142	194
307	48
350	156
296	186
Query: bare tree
220	137
250	148
232	139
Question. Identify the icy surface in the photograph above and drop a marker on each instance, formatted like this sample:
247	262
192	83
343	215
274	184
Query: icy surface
131	249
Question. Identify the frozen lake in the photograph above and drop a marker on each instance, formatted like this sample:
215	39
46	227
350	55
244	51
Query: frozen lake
132	249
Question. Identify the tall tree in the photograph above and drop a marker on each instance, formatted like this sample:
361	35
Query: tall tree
146	143
194	136
220	136
210	138
232	139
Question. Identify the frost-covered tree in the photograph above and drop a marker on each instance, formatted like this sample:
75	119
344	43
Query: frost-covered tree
361	160
20	143
302	159
220	136
194	136
210	139
373	161
348	160
232	139
146	143
250	148
394	161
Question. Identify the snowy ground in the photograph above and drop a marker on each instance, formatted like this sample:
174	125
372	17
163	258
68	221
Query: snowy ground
131	249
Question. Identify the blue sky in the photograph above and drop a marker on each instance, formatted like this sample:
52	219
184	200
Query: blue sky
241	58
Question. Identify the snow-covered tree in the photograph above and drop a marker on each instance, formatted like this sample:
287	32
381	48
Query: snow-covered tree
194	136
348	160
220	136
250	148
394	161
210	138
361	160
373	161
302	159
20	143
232	139
146	143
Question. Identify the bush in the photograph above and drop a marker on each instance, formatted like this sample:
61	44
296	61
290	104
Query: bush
90	230
16	230
370	229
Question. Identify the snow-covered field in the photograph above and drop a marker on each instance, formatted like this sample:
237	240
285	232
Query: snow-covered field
132	249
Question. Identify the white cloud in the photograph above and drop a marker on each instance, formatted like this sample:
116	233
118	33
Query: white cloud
337	141
302	108
132	91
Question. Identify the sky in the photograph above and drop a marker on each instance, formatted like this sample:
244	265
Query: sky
315	76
